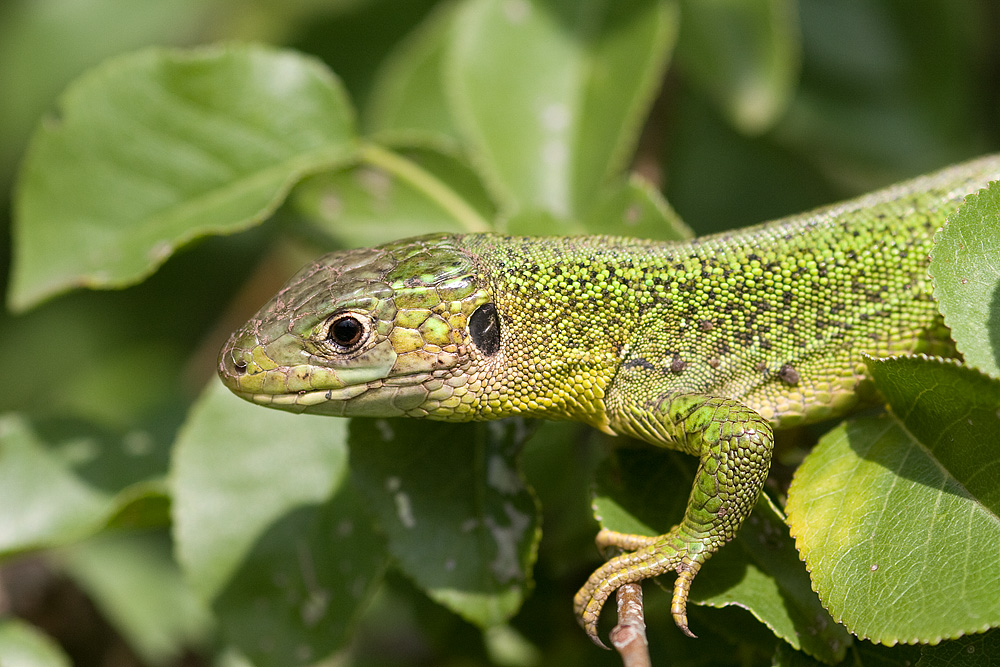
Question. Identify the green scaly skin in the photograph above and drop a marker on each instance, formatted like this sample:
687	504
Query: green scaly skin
702	346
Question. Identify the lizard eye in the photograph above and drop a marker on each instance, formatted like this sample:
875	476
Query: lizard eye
484	327
346	332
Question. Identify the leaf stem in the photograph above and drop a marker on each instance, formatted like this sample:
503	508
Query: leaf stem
425	182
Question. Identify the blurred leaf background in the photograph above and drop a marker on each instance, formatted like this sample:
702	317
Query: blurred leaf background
765	108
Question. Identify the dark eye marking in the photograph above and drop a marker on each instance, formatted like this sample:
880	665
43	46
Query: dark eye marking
484	327
346	331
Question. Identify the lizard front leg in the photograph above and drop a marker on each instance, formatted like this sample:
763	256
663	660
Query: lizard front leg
734	446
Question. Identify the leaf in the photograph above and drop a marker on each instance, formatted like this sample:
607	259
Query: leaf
21	645
138	588
899	529
758	571
967	277
370	204
266	530
62	481
408	96
237	469
160	147
458	517
43	47
301	588
745	54
584	73
635	208
863	654
972	651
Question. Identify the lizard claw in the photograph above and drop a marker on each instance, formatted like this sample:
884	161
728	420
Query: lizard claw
650	561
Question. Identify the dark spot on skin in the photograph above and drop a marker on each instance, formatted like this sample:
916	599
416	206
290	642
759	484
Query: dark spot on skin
677	365
714	363
484	328
706	325
789	375
761	367
639	362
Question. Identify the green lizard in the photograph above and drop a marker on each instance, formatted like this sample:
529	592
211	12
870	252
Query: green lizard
701	346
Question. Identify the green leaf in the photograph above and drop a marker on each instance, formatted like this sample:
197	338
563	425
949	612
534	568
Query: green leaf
967	278
900	534
267	531
863	654
62	481
745	54
43	46
408	96
551	94
237	469
21	645
972	651
457	515
138	588
635	208
301	588
160	147
373	203
758	571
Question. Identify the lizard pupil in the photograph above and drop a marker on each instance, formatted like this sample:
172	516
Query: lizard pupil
484	327
346	331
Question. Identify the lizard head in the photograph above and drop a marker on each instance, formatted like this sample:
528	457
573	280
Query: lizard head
382	332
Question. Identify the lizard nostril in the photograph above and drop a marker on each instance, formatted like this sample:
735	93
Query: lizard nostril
240	367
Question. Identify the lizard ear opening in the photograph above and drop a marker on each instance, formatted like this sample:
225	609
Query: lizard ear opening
484	327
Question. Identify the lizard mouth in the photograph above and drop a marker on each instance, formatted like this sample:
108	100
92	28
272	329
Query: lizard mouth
303	399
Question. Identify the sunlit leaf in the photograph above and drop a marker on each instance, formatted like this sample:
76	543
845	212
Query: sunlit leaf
900	528
157	148
551	94
967	277
238	468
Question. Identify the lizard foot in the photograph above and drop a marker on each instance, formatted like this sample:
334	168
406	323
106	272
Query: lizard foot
649	557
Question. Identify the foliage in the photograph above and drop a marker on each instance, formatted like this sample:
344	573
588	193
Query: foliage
195	521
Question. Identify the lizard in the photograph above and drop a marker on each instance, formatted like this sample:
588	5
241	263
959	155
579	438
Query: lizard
704	346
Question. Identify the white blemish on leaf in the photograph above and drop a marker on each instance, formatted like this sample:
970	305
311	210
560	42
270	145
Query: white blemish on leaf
345	528
376	183
137	443
469	525
555	153
507	566
317	599
392	484
385	430
516	10
555	117
404	510
331	206
502	477
450	565
314	607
